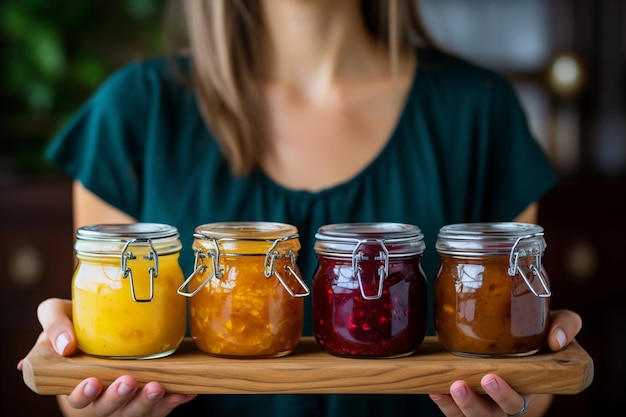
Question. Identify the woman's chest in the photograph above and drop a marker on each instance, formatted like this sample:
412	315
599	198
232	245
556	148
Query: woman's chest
315	145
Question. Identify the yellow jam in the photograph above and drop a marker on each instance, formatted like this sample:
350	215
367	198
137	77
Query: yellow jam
109	322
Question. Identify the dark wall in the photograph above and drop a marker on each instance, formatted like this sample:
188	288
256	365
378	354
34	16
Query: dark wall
584	219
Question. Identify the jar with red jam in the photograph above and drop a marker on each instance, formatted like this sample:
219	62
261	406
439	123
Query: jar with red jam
369	290
246	293
492	294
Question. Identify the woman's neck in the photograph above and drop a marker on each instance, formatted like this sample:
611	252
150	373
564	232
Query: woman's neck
315	43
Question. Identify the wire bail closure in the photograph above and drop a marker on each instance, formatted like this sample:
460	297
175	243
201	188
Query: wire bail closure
200	268
269	269
270	256
383	270
535	268
127	255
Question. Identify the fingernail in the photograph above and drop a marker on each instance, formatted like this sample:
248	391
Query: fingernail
61	343
124	389
90	390
460	392
560	337
491	385
154	395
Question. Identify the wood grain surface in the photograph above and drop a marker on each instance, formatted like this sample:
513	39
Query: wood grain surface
311	370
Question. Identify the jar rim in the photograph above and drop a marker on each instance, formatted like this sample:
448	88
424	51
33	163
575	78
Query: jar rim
126	231
369	230
109	239
489	237
343	238
246	230
252	238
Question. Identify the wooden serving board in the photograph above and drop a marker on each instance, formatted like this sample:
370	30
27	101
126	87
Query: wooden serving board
309	369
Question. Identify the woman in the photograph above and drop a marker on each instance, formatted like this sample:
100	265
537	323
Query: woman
306	112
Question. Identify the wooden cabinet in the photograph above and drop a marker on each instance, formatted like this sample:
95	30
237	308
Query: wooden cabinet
585	229
36	262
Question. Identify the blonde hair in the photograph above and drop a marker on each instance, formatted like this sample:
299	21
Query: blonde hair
226	38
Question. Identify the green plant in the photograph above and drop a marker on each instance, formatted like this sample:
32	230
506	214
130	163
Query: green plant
54	55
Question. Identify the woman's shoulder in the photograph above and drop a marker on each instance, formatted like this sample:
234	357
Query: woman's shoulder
453	80
140	79
435	62
143	93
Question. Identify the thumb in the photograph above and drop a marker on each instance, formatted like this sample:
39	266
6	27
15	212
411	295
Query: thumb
55	316
565	325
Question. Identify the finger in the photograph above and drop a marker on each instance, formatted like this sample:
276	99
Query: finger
147	401
170	402
153	401
120	392
469	402
504	396
446	404
174	400
564	326
55	316
84	393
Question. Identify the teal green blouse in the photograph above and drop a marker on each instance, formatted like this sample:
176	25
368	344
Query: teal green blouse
461	152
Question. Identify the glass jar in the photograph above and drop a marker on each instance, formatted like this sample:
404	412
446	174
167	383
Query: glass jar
246	291
369	290
125	304
492	295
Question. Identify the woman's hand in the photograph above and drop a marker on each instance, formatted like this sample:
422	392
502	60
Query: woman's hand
123	397
501	399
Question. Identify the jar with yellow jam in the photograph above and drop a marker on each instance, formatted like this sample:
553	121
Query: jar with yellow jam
246	293
124	291
369	290
492	294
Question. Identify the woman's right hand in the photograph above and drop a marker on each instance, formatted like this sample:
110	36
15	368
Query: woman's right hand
123	397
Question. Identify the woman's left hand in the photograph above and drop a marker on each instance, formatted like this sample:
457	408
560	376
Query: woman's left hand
502	400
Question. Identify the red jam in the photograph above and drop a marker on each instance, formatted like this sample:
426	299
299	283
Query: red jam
369	291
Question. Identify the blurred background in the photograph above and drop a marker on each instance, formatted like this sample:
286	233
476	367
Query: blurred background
567	58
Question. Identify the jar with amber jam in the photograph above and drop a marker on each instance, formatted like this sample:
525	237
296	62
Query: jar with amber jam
369	290
492	294
125	304
246	293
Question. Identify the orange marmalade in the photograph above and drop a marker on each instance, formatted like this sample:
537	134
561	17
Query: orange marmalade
246	294
124	287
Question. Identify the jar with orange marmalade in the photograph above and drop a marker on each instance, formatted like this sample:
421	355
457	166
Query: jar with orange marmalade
125	304
492	294
246	293
369	290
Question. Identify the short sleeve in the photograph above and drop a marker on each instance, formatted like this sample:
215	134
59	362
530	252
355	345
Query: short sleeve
488	166
519	172
101	145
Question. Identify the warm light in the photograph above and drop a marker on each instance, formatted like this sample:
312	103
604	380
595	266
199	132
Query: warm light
566	70
566	74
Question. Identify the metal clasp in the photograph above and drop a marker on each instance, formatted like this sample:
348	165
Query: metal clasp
127	255
534	268
383	270
200	268
269	269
